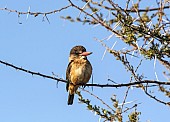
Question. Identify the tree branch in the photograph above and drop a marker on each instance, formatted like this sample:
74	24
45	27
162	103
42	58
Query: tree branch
35	13
32	72
104	103
130	10
96	85
154	97
99	21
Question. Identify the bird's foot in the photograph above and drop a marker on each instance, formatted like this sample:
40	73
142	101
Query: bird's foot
83	86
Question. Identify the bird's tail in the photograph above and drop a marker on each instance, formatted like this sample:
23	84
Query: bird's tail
70	99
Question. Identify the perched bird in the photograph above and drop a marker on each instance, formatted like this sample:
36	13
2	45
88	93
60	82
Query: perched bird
79	70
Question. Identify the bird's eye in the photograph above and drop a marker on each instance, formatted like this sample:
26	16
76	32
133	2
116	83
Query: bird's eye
77	53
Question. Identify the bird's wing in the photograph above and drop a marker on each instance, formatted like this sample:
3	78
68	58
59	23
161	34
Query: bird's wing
68	74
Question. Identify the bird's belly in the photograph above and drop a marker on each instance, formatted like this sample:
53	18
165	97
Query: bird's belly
81	75
79	72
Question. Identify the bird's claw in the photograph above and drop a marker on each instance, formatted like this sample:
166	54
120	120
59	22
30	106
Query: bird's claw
83	86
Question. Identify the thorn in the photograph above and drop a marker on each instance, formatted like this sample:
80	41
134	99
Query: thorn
148	43
127	102
18	18
47	19
124	48
83	8
43	18
36	14
57	84
154	62
96	25
104	54
132	54
138	47
54	74
116	25
28	12
155	68
111	80
99	119
110	36
5	7
113	45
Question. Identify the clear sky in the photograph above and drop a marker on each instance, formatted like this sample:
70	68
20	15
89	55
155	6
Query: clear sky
42	47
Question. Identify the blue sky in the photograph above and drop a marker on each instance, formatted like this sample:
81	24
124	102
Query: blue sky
43	47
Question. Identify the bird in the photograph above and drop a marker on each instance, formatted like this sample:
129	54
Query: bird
78	71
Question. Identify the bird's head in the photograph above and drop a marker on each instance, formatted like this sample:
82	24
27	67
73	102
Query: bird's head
78	52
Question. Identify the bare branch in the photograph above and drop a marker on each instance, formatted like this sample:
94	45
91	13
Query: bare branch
104	103
154	97
130	10
34	13
99	21
165	63
32	72
96	85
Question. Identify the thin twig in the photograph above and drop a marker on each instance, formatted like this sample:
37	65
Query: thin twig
154	97
98	99
99	21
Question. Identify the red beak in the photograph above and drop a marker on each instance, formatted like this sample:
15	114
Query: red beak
86	53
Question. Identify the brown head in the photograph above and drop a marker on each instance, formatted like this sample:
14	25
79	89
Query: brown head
78	52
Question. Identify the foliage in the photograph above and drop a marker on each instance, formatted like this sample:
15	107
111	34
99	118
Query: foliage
144	31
